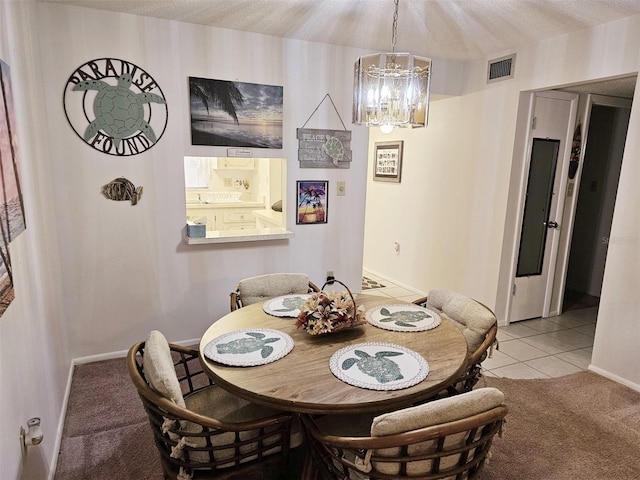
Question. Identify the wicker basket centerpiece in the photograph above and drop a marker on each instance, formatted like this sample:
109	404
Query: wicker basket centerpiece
330	311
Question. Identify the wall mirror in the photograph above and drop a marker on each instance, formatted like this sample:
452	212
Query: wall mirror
237	199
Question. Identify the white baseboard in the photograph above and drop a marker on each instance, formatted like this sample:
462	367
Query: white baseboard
395	282
122	353
615	378
63	415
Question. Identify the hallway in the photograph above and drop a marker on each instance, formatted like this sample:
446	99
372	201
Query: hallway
538	348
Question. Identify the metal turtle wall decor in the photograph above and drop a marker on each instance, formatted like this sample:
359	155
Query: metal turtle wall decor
122	189
115	107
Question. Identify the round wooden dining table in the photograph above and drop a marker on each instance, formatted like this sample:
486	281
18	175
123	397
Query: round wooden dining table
302	381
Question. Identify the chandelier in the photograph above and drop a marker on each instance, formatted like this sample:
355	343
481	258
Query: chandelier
391	89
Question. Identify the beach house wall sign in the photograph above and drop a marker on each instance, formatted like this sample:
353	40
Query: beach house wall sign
115	106
319	148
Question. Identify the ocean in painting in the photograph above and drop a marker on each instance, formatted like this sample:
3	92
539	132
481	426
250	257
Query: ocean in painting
16	226
226	133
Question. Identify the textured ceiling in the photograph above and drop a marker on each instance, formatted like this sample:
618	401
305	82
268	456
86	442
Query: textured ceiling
453	29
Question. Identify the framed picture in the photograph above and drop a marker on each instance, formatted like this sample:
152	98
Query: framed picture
235	114
312	201
387	161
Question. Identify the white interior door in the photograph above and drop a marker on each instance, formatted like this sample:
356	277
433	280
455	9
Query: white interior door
549	149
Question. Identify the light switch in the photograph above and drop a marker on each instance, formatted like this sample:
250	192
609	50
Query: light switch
342	189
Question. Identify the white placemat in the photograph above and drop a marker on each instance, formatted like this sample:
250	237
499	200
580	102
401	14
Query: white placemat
249	347
379	366
286	305
403	318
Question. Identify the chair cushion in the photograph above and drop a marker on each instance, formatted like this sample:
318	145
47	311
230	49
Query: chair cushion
424	415
409	419
158	368
264	287
433	413
218	404
472	318
439	411
215	402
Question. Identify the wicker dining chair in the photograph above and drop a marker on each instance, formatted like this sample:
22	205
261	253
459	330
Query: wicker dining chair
263	287
201	430
448	438
478	325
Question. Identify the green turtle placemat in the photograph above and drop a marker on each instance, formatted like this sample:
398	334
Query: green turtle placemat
379	366
403	318
249	347
286	305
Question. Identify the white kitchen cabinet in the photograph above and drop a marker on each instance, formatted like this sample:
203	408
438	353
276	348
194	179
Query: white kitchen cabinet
237	219
268	219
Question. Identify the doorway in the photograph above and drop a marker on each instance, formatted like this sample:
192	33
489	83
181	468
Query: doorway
606	137
597	215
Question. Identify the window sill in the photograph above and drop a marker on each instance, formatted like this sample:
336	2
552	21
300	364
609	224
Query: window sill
234	236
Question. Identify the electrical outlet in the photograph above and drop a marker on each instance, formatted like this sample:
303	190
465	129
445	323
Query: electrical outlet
329	273
228	183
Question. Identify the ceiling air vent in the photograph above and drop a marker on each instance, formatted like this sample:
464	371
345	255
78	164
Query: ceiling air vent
501	68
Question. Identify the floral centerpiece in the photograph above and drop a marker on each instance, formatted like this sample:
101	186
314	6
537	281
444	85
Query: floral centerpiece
328	312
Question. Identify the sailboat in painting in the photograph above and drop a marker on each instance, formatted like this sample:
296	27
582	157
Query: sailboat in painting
12	220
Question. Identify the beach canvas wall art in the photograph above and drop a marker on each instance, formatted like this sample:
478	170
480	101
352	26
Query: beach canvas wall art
235	114
312	201
12	220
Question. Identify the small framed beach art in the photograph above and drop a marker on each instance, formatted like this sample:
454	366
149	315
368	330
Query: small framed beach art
235	114
387	161
312	201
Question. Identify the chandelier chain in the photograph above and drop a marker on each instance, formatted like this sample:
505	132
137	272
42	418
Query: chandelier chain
395	27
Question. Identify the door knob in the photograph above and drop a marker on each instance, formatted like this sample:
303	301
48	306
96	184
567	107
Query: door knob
551	224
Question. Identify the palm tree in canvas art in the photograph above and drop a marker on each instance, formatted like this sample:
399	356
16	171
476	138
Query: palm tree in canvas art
12	219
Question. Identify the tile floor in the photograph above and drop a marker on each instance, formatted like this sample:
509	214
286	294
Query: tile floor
539	348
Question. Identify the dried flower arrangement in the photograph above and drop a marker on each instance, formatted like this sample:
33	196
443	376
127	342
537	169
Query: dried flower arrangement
328	312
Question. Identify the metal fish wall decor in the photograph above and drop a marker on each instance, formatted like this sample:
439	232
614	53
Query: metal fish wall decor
122	189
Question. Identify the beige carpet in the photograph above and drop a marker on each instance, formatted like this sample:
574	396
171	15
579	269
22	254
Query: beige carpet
581	426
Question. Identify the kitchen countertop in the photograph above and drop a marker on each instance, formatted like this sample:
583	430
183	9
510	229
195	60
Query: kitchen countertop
239	204
232	236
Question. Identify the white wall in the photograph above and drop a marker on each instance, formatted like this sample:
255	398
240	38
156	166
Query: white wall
449	212
93	275
126	268
34	353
